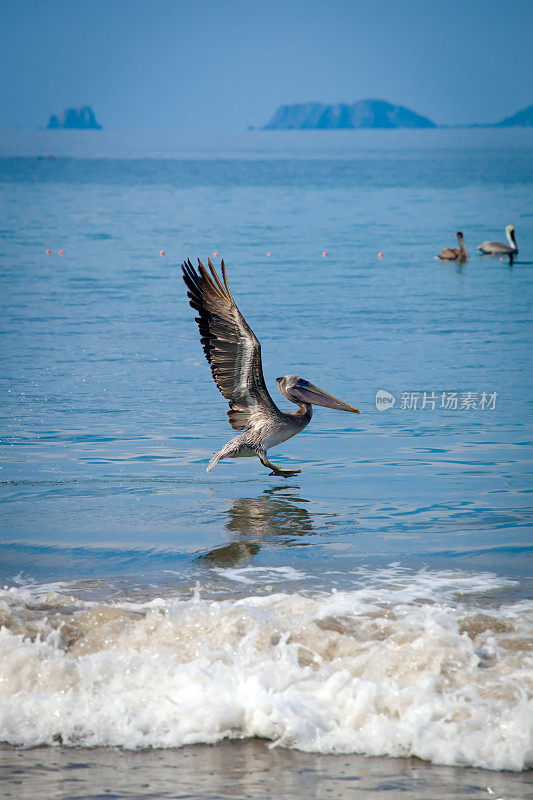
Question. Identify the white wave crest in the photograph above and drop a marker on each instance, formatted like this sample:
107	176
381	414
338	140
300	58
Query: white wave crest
365	671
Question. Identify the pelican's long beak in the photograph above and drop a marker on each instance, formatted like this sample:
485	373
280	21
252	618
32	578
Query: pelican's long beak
318	397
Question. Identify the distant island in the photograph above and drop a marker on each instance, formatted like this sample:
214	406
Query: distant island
370	114
75	118
363	114
523	118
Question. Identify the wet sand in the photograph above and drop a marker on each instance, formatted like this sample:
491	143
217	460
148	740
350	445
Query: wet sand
241	770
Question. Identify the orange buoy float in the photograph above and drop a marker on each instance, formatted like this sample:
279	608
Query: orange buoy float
161	252
380	255
324	254
269	254
60	252
216	255
48	252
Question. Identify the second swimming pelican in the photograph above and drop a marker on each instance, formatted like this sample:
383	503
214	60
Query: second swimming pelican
455	253
501	249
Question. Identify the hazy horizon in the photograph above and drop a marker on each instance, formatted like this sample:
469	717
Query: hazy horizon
168	65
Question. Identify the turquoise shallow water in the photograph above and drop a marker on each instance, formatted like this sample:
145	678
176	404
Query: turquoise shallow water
109	413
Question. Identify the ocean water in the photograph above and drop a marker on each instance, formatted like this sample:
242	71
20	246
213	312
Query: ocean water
364	626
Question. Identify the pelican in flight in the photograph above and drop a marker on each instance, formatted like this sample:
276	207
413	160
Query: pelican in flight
501	249
234	354
455	253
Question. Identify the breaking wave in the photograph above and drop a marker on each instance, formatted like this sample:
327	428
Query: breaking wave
422	665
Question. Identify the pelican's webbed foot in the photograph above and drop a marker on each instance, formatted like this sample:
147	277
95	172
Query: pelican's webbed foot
283	473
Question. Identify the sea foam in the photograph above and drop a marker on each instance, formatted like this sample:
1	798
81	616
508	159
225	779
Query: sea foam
397	666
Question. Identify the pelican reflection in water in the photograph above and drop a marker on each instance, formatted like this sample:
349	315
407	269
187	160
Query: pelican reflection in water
234	354
256	519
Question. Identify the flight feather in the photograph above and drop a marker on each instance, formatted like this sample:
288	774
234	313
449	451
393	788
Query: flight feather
229	344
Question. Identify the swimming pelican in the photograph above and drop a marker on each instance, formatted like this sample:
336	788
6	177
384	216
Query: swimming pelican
455	253
501	249
234	354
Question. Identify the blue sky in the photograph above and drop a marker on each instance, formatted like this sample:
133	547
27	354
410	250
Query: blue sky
168	64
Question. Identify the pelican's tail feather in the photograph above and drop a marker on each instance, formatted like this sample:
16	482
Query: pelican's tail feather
230	450
214	461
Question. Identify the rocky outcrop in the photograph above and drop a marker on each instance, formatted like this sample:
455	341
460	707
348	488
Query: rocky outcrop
80	118
523	118
363	114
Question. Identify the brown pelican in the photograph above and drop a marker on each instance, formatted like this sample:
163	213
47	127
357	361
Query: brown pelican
455	253
500	249
234	354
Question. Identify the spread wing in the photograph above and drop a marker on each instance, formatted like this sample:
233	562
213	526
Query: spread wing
230	346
